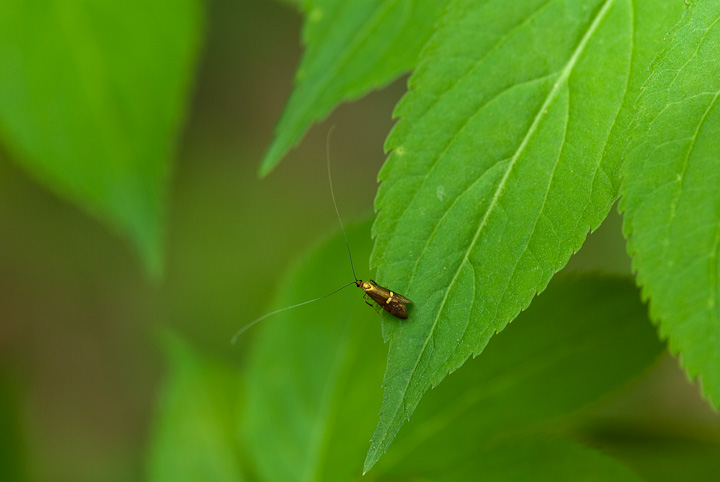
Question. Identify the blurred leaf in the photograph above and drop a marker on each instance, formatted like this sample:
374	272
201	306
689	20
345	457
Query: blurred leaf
540	459
495	178
314	373
290	3
582	338
194	437
671	198
11	442
657	452
92	94
351	49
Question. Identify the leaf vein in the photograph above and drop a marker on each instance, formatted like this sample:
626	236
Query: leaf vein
500	41
683	171
499	190
714	279
493	48
476	181
537	218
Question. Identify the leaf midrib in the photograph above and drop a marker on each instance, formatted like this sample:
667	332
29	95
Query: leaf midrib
319	438
75	30
565	73
473	183
494	48
713	282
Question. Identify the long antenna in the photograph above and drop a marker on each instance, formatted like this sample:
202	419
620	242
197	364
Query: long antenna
258	320
332	193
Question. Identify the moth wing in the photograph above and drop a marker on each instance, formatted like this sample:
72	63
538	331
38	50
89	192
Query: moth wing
396	309
402	299
377	297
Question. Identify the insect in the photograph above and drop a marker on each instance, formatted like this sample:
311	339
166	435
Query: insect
388	300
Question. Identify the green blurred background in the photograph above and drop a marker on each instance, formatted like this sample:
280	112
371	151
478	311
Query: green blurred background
80	358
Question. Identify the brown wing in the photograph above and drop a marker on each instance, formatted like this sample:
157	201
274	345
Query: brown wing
390	301
396	309
401	299
384	293
377	296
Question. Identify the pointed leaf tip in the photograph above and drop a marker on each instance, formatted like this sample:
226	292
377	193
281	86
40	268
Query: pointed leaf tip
352	49
92	111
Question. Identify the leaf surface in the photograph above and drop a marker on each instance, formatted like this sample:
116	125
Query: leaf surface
13	458
193	436
351	49
314	372
495	178
550	362
540	459
91	97
671	195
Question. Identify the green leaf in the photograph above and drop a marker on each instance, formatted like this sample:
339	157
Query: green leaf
671	198
314	373
540	459
351	49
659	453
551	361
12	453
291	3
194	436
496	176
313	379
91	97
652	21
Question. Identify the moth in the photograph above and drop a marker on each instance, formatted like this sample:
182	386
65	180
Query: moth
393	303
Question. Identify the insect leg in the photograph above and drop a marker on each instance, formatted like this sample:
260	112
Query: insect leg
371	304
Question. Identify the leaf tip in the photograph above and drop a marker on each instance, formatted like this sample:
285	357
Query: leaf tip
376	450
370	460
146	236
272	157
154	267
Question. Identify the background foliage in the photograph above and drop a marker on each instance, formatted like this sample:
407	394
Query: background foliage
109	376
92	99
